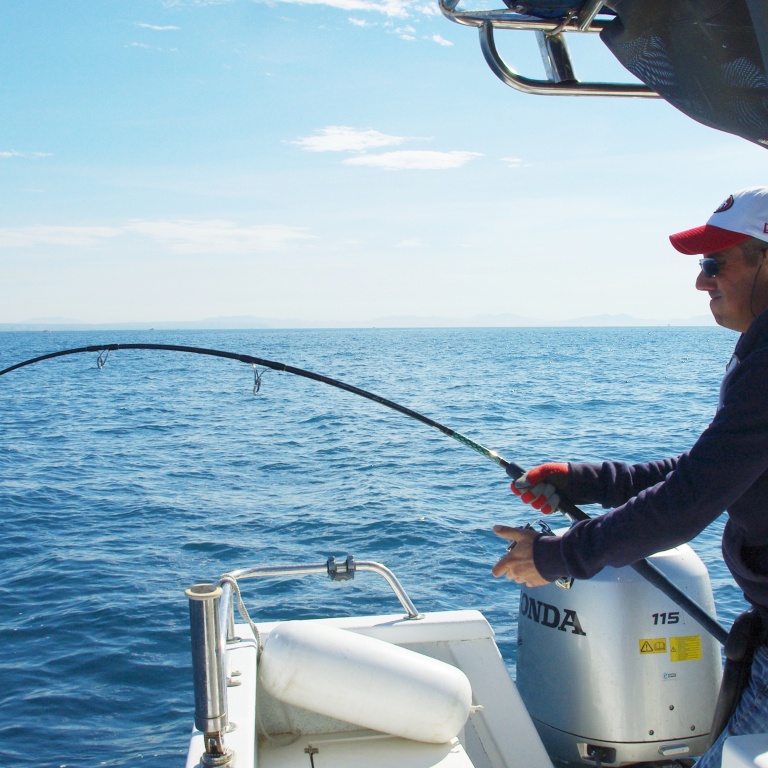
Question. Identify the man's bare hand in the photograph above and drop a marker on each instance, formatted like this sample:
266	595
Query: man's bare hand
517	564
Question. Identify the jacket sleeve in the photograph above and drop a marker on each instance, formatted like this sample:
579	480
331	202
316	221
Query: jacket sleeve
612	483
726	460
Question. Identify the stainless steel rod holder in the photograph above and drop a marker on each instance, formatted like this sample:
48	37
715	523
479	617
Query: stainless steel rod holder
208	671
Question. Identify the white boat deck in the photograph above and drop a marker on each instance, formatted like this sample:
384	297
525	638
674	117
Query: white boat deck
498	734
372	750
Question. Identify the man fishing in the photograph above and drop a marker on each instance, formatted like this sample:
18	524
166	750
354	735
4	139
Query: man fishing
662	504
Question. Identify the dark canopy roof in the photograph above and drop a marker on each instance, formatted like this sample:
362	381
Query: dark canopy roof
706	57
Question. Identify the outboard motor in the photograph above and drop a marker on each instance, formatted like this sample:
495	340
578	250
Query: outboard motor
613	672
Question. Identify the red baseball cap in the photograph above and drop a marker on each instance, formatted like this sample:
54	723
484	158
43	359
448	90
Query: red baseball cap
739	217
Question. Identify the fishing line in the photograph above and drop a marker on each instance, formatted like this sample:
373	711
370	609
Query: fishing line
257	379
644	567
513	470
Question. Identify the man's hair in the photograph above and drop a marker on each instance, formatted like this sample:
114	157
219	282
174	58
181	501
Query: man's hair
752	249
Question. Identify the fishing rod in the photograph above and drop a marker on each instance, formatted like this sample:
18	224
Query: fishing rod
643	567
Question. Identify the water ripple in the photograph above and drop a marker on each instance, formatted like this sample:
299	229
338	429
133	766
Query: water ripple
122	486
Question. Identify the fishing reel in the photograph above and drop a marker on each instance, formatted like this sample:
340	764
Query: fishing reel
566	582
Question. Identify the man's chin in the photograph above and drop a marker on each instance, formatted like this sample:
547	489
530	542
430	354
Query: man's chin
731	323
720	318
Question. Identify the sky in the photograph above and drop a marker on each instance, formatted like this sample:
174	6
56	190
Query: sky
332	163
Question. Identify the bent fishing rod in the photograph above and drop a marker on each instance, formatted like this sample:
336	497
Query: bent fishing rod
643	567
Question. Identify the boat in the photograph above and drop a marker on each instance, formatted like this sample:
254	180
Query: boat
426	690
609	672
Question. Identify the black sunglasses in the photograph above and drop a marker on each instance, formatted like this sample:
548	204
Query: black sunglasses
710	266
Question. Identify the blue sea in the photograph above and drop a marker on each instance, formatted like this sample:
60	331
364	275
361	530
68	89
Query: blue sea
121	486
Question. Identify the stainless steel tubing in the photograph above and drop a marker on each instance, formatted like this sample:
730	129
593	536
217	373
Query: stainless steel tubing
546	87
561	80
394	583
208	670
321	568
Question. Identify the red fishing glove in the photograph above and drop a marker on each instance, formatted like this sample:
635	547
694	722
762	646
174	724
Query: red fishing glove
539	485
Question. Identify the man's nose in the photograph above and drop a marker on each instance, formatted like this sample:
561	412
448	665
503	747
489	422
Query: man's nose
704	283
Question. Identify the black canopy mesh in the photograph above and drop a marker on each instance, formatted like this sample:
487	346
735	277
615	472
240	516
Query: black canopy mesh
706	57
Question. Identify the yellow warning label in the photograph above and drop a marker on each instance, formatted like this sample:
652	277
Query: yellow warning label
653	645
687	648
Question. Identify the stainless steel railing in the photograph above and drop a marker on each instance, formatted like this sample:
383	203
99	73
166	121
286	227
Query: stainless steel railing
212	627
550	35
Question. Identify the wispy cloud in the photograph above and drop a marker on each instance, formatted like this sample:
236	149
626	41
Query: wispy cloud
427	9
440	40
31	237
405	33
216	235
342	138
194	3
418	160
414	242
514	162
178	236
398	9
14	153
157	27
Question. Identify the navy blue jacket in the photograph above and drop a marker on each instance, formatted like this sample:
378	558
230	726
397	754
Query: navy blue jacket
662	504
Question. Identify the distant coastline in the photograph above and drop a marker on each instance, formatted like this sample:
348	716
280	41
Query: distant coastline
399	321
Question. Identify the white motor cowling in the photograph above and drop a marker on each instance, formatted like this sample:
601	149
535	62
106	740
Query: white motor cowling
364	681
614	665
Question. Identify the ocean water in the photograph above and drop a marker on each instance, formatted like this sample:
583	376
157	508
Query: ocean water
121	486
